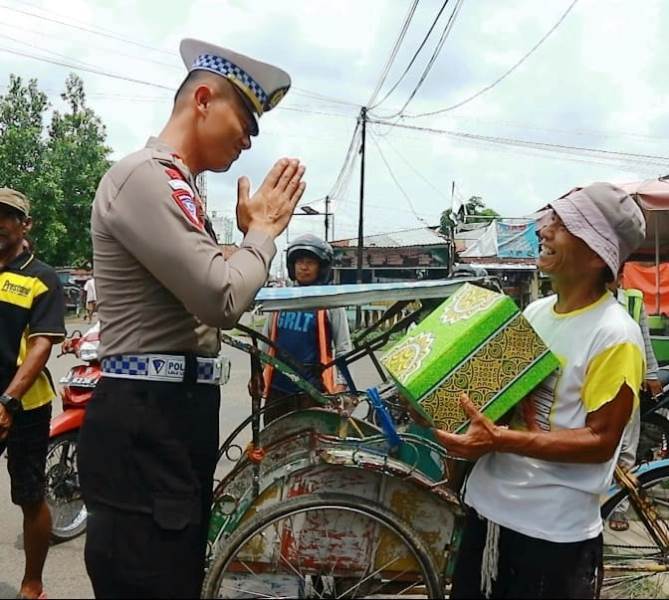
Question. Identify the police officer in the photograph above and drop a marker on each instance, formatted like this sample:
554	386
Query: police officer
148	445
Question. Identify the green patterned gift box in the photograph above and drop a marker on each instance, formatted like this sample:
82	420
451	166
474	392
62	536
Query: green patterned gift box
478	342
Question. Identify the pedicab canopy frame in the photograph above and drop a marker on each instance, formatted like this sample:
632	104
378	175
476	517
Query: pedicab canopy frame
652	195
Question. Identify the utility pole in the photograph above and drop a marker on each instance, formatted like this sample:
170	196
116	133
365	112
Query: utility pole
201	182
451	231
327	217
363	118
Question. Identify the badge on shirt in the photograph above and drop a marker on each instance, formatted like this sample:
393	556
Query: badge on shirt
185	197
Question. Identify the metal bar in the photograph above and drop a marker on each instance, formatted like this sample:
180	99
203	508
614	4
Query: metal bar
279	353
293	375
256	403
377	366
657	264
396	308
363	118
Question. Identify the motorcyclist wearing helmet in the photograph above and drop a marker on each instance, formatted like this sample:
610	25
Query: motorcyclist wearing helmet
311	337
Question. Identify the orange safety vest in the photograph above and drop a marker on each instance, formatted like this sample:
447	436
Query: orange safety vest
324	351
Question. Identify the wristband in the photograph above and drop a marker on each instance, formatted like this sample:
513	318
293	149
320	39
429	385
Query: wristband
12	405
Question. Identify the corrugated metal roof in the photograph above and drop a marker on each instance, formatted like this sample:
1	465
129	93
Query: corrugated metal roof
423	236
509	264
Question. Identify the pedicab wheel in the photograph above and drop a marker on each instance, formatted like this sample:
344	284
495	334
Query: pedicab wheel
635	565
63	493
323	545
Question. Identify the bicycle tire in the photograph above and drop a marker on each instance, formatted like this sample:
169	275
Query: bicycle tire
324	501
651	555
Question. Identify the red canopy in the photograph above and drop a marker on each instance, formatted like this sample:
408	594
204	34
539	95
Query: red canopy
644	278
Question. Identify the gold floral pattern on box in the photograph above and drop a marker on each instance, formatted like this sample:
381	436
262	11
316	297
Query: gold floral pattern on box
490	369
407	358
467	302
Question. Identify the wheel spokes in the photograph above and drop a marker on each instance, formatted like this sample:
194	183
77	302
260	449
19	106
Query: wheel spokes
324	552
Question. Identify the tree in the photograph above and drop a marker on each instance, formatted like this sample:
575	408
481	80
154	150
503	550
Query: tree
475	211
77	157
21	141
58	169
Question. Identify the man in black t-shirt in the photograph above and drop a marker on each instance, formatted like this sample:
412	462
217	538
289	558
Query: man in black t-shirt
31	321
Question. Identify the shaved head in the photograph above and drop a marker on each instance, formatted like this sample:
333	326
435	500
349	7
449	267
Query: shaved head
215	117
219	85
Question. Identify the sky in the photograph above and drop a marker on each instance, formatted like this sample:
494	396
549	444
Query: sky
598	81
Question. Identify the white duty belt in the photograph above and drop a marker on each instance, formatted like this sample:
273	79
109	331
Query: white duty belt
165	367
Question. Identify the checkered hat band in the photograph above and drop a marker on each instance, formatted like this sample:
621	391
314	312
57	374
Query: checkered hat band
226	68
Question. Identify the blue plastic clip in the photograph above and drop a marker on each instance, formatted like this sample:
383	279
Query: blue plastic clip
385	418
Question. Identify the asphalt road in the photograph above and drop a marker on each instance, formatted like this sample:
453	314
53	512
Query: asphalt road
65	573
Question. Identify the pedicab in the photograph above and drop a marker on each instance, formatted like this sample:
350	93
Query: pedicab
345	499
653	197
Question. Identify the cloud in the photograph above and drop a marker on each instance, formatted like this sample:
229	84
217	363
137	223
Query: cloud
597	81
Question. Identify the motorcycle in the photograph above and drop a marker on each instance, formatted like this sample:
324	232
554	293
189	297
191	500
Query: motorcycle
63	494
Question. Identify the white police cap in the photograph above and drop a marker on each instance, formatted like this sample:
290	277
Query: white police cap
261	84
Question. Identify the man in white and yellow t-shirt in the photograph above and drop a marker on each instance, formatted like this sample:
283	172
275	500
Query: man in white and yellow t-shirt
534	528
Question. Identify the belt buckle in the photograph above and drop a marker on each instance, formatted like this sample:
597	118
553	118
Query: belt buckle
222	367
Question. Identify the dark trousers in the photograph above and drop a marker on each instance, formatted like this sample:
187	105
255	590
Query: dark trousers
528	567
147	455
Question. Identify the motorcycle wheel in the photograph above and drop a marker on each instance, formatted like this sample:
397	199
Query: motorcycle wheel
63	493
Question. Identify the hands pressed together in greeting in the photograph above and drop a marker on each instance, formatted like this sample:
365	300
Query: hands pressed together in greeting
271	207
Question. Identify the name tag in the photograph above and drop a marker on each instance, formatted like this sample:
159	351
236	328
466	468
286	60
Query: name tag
175	368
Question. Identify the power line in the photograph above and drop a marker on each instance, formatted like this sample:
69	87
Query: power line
504	75
393	52
89	69
637	167
99	48
581	132
433	58
416	171
314	112
384	207
50	52
414	57
116	37
596	152
397	183
59	15
86	69
344	176
151	99
322	97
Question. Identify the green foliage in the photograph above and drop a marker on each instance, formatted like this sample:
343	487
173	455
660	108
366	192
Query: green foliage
58	167
476	212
